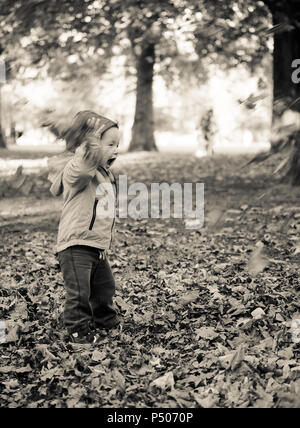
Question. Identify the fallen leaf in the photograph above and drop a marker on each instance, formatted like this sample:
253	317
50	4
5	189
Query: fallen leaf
48	356
119	378
165	381
98	356
205	402
189	297
13	334
237	358
13	383
225	360
206	333
258	314
7	369
26	369
233	359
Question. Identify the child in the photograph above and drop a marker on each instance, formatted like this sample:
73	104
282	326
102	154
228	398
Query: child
83	237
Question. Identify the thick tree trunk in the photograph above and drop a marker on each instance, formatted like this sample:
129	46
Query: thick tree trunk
286	14
143	127
286	50
286	91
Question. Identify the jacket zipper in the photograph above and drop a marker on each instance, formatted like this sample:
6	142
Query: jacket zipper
94	214
111	232
114	183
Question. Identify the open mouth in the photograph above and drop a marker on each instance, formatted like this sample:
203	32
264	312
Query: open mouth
110	162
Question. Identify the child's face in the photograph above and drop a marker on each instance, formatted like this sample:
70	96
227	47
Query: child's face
107	146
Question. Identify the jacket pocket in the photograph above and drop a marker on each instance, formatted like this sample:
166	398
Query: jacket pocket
94	214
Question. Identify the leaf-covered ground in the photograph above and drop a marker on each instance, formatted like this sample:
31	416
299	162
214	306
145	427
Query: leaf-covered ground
208	314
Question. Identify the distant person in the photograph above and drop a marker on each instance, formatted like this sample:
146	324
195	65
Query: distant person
208	131
83	236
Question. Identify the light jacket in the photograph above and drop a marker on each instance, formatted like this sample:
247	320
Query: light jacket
87	192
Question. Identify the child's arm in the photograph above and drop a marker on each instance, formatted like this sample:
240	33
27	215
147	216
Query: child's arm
82	167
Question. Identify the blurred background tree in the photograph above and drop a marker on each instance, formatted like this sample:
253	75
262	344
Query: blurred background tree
75	41
286	92
286	30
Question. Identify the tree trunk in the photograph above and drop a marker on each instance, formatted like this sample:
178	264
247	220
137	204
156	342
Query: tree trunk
2	138
286	50
292	176
286	92
143	127
13	132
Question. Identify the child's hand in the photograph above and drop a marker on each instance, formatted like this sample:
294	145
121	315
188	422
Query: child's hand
93	123
91	150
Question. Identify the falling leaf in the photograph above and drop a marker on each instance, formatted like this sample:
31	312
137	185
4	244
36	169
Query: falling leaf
258	261
26	187
260	157
281	165
18	179
215	218
278	28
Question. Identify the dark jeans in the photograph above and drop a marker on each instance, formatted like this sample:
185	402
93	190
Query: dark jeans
90	287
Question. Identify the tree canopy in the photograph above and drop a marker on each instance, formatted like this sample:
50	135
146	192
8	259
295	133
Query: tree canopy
76	38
